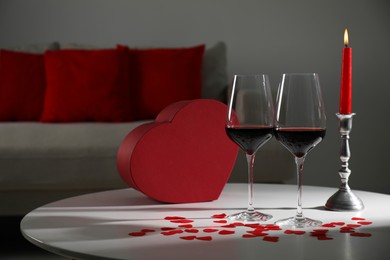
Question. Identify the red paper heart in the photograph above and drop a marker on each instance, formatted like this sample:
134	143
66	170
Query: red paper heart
210	230
137	234
365	222
183	156
147	230
188	237
206	238
319	232
294	232
167	228
185	226
359	234
191	230
226	232
172	232
228	226
258	233
220	221
272	227
248	236
353	225
181	221
357	218
254	225
338	223
222	215
173	217
324	237
271	239
330	225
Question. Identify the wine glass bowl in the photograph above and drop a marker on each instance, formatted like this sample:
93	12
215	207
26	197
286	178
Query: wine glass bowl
250	124
300	126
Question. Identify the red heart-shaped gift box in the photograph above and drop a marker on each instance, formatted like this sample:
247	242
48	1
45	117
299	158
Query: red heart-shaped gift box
183	156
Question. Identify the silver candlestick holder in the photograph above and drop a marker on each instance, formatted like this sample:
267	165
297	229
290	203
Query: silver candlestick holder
344	199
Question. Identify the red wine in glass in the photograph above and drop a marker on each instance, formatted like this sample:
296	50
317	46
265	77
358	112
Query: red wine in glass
250	124
299	126
299	140
249	138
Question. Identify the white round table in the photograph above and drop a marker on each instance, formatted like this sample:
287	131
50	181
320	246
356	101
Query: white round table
125	224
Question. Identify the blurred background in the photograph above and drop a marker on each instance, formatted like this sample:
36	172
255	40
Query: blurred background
262	36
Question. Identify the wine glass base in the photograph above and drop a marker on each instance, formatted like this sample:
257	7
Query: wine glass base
295	222
250	216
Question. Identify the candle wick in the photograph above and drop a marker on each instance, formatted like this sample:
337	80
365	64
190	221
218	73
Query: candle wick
346	45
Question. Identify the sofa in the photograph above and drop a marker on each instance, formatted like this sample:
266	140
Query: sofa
42	160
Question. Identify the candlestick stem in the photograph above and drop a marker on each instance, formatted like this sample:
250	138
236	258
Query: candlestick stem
344	199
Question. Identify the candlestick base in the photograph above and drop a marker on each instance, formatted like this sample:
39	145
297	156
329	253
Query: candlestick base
344	199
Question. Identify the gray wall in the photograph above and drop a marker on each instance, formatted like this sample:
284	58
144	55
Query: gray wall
270	36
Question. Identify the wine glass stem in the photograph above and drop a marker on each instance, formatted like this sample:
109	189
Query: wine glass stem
299	163
250	159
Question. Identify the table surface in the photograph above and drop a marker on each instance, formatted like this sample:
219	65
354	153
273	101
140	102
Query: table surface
125	224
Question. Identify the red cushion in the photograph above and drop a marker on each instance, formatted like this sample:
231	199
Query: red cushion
87	85
22	86
160	77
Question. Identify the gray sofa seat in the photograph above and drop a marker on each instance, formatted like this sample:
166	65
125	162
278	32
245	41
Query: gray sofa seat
38	156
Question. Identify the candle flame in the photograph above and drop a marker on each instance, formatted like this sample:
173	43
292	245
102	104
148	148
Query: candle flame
346	37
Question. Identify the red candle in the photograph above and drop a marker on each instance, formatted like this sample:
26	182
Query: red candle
346	78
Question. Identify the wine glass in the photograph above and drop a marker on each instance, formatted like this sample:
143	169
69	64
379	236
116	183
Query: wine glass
250	122
300	125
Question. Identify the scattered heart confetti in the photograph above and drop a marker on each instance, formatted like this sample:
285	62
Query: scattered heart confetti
146	230
207	238
268	232
167	228
330	225
188	237
222	215
271	239
226	232
323	231
365	222
258	233
318	232
324	238
248	236
359	234
172	232
295	232
353	225
192	230
210	230
272	227
254	225
220	221
173	217
185	226
181	221
229	226
347	230
333	224
357	218
137	234
261	228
